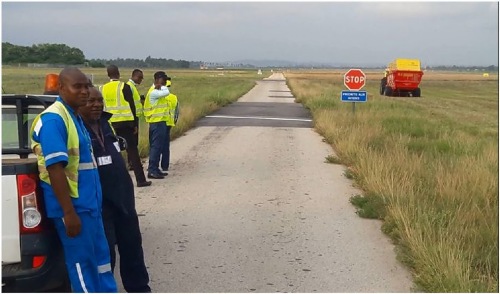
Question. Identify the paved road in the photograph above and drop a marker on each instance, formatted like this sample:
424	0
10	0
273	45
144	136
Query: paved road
251	206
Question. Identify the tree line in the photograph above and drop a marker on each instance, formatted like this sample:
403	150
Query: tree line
148	62
63	54
41	53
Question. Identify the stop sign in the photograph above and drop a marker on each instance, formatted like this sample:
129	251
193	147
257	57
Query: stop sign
354	79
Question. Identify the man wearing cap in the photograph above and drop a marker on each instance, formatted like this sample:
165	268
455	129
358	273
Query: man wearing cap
171	121
156	113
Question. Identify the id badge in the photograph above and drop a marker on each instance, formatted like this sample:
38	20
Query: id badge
104	160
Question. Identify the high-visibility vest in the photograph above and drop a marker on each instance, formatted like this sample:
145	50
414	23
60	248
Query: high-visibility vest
115	103
173	109
137	99
157	112
73	146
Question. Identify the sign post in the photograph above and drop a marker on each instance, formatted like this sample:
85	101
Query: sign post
354	80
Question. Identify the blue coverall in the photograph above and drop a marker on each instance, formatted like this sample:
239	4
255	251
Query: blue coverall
87	255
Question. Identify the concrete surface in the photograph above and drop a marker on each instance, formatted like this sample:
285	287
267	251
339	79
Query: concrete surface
251	206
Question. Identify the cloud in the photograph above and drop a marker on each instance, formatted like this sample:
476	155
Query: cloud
299	31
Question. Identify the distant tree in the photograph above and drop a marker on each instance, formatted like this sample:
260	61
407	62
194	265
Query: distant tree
96	64
492	68
148	62
42	53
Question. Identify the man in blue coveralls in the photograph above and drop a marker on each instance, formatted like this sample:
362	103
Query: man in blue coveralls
121	223
71	186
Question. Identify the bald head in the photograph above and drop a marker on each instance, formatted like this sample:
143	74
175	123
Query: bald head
113	72
73	87
67	73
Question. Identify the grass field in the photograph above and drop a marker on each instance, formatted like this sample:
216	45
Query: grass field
199	91
428	167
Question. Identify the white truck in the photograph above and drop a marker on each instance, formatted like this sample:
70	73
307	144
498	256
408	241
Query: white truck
32	255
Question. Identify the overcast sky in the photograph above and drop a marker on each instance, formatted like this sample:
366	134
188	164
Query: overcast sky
447	33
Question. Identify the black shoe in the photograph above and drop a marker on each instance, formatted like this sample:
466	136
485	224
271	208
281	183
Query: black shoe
164	173
144	184
156	176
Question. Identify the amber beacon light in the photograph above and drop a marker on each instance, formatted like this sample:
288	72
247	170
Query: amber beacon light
51	81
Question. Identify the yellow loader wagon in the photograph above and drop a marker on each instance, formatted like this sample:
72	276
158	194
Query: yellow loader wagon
402	78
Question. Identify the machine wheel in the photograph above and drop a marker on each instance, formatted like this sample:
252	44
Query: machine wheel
416	92
383	83
388	91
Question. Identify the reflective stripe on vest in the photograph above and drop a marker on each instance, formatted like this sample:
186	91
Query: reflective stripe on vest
115	103
137	99
74	164
157	112
147	104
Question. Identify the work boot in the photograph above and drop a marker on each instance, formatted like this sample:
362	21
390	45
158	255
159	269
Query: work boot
144	184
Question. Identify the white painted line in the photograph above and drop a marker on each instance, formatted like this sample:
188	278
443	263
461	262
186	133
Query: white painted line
258	117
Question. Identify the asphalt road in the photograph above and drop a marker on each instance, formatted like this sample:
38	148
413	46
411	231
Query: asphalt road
251	206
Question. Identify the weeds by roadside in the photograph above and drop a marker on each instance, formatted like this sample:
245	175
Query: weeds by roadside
428	167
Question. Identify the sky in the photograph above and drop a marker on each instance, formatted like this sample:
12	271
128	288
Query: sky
357	33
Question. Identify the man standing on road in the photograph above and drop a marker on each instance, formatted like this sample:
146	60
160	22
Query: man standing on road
171	121
71	186
156	113
119	101
133	82
121	223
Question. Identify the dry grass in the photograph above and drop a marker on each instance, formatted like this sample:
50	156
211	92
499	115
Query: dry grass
200	92
432	162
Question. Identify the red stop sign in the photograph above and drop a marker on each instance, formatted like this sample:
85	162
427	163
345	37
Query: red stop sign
354	79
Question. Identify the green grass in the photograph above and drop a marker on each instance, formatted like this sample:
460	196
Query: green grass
332	159
200	92
428	167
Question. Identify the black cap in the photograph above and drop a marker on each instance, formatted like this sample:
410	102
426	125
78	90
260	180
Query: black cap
160	74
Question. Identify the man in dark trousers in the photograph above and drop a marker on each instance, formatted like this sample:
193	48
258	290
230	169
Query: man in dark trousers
171	121
133	82
156	113
120	220
119	101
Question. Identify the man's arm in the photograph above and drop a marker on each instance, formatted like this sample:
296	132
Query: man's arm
157	94
60	186
53	136
129	97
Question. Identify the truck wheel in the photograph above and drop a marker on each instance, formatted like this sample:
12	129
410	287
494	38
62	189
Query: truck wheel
416	92
388	91
383	83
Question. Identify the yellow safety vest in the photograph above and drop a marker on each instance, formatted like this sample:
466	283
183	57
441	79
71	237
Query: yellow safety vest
115	103
137	99
157	112
173	104
73	146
